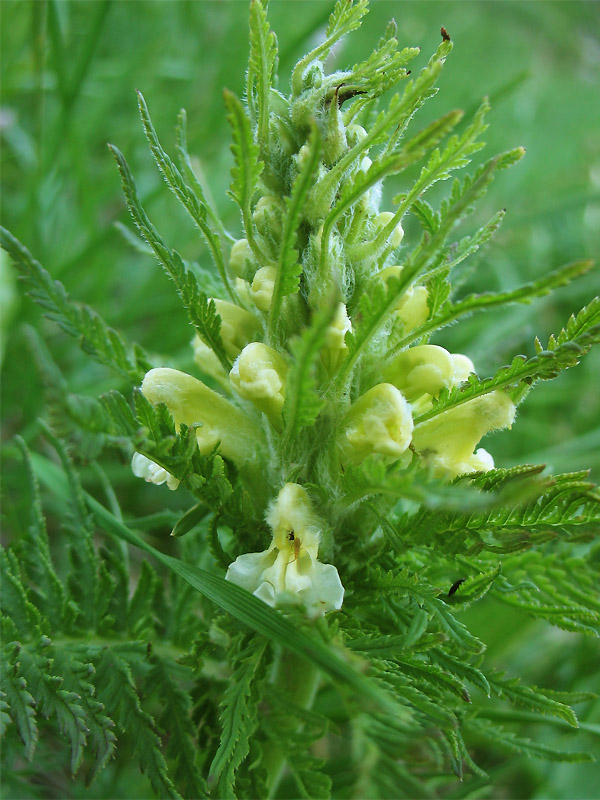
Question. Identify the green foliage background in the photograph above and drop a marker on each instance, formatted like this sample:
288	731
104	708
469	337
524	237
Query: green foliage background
68	80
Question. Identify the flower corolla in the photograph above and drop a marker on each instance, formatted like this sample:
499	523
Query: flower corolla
288	571
335	347
212	416
259	375
448	440
262	287
152	472
379	422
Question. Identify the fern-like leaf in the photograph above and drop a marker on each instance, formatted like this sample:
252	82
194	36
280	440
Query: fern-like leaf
201	312
78	320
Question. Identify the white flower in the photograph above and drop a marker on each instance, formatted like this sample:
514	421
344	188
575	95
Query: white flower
289	572
152	472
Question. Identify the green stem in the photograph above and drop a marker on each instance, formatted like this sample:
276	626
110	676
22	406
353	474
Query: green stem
299	679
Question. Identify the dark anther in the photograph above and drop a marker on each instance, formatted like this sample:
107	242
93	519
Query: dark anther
346	93
455	586
445	34
291	536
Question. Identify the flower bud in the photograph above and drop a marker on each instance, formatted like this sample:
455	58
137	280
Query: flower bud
425	369
289	572
463	367
261	290
312	77
242	260
259	375
268	217
238	327
397	234
411	308
335	348
152	472
242	288
448	440
380	421
208	362
216	419
355	134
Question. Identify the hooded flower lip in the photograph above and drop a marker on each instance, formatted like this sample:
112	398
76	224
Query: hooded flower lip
448	440
195	405
422	372
259	375
242	258
425	369
238	327
262	287
289	572
379	422
335	348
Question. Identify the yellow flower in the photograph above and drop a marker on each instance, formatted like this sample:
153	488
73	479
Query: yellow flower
412	308
214	418
448	440
261	290
242	258
238	327
379	422
335	348
259	375
425	369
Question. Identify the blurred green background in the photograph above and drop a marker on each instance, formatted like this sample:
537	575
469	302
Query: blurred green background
69	71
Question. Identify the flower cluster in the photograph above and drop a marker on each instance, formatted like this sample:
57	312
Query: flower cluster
319	257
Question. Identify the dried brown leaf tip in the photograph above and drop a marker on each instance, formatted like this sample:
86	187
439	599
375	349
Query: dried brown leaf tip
445	34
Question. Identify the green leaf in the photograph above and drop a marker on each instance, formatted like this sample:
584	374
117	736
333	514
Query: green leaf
116	689
441	163
247	167
405	584
302	401
261	70
532	698
242	605
185	164
451	311
238	718
562	352
193	204
190	519
182	747
78	320
39	560
510	741
201	311
288	266
345	17
21	703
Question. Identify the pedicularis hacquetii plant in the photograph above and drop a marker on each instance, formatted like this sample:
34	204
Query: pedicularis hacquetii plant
309	640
